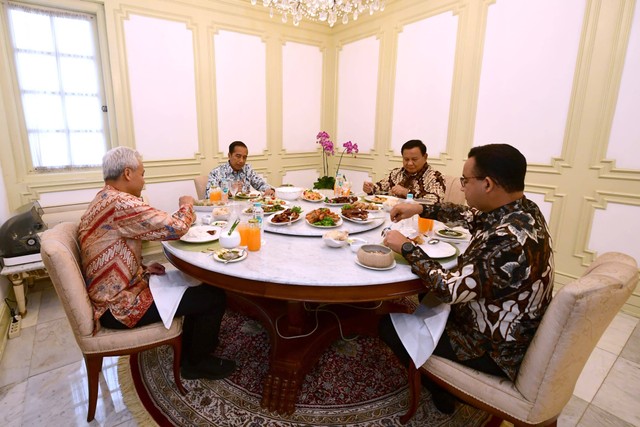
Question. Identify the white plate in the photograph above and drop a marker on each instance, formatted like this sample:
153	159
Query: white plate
216	255
439	250
321	199
218	223
372	198
329	203
359	221
337	224
198	234
376	268
452	234
251	195
249	211
286	223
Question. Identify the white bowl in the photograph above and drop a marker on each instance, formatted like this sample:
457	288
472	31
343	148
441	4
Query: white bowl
229	242
355	243
333	243
288	193
377	256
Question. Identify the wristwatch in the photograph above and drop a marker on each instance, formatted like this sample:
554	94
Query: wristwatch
407	247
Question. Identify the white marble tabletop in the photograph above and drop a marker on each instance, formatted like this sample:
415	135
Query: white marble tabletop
299	259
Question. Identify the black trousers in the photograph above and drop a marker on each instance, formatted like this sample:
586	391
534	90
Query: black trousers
202	307
443	349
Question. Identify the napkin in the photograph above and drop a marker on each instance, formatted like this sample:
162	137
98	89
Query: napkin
167	290
421	330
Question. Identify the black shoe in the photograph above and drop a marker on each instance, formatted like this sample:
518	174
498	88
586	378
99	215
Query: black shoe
443	401
211	368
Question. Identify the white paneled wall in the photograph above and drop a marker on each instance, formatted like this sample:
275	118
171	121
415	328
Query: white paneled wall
528	68
301	96
162	87
423	83
240	97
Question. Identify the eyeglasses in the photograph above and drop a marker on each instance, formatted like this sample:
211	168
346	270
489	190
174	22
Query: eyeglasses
464	179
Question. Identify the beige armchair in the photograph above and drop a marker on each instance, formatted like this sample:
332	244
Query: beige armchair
453	193
201	185
570	329
61	257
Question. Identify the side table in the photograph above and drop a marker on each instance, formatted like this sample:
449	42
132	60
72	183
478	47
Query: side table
21	274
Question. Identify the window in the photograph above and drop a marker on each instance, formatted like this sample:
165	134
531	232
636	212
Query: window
61	86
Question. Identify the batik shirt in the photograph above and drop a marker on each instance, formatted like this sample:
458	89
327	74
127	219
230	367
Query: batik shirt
501	285
111	233
427	183
246	175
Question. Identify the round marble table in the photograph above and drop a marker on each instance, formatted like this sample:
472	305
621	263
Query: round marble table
294	285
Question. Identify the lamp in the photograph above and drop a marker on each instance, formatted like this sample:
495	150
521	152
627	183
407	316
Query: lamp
321	10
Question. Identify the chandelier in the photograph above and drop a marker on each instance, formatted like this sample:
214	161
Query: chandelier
321	10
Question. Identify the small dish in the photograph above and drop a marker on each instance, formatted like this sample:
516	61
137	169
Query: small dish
355	243
378	256
335	238
393	265
236	255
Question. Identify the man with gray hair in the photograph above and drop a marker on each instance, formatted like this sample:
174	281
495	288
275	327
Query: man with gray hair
111	233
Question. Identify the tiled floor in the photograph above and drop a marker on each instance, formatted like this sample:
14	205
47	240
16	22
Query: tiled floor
43	378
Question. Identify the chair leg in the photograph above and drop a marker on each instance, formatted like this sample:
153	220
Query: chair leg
415	386
94	366
177	355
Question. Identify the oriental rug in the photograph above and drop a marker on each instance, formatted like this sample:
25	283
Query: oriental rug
356	383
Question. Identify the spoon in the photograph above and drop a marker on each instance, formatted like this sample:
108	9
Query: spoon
434	241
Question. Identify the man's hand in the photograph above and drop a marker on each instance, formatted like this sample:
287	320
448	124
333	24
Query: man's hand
156	268
399	191
367	187
186	200
269	192
405	210
394	240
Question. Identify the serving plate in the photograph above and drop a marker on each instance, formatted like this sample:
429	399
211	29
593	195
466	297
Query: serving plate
451	234
285	223
200	234
251	195
358	220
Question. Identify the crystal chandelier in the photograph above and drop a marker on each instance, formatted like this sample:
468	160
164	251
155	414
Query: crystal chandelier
321	10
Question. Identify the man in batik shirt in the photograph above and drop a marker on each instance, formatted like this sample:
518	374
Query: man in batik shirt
111	233
237	173
501	285
415	176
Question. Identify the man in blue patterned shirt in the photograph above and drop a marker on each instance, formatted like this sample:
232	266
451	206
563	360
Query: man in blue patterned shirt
239	175
502	284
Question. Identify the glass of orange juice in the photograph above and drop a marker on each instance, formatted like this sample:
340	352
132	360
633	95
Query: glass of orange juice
254	236
215	194
425	225
243	229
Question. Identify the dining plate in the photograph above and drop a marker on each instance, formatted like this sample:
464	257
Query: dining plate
217	255
439	250
451	234
251	195
357	220
337	224
249	211
376	268
201	234
218	223
321	199
376	199
285	223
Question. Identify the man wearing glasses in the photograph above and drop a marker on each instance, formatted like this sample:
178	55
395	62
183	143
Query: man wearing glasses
502	284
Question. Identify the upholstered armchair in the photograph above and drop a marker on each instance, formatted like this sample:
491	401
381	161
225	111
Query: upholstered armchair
61	257
453	192
570	329
200	183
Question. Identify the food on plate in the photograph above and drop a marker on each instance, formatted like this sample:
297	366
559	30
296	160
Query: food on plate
266	208
351	212
199	233
322	217
341	199
311	195
447	232
340	235
366	206
207	202
377	199
270	201
230	254
242	195
289	215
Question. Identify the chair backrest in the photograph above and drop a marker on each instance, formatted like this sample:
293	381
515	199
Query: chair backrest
453	192
570	329
201	185
61	256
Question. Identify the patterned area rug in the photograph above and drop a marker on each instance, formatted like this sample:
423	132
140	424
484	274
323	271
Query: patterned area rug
355	383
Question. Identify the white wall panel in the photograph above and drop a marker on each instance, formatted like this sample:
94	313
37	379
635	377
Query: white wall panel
625	130
528	67
615	229
301	178
424	74
241	90
301	96
165	195
357	89
545	207
162	85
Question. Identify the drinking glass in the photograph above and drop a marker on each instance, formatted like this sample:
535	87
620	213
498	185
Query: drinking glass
243	229
254	237
424	225
215	194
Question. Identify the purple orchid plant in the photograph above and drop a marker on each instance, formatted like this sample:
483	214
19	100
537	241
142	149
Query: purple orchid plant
328	149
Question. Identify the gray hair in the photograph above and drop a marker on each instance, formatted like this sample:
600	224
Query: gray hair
117	159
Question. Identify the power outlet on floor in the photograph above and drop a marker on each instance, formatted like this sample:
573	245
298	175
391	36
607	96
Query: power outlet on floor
14	327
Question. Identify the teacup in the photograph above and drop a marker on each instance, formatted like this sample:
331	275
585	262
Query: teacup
229	241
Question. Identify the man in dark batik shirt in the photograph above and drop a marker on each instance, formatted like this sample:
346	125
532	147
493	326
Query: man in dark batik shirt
502	284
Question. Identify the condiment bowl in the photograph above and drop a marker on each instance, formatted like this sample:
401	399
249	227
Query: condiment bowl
355	243
377	256
229	241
